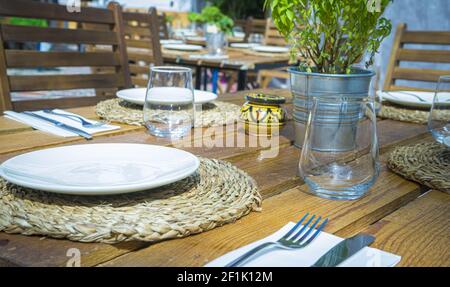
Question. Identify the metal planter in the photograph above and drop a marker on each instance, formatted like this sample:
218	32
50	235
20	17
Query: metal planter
337	121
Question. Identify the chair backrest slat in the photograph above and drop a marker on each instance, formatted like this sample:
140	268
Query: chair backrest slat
417	55
272	36
114	60
142	33
64	82
428	37
34	59
400	55
257	26
163	29
33	9
57	35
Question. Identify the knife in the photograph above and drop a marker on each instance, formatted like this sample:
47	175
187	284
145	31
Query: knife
344	250
61	125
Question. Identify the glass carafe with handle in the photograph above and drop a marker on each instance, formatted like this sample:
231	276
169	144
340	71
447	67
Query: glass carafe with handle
329	170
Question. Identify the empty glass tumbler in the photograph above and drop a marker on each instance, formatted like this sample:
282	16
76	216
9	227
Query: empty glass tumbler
439	119
169	102
339	158
216	43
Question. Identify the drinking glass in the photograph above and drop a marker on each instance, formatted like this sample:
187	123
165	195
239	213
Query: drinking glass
439	118
216	43
376	89
339	159
256	38
169	102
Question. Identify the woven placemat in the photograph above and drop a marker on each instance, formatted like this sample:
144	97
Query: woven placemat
182	53
218	193
426	163
216	113
398	113
264	54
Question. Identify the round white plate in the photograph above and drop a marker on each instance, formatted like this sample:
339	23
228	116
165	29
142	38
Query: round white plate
183	47
99	169
243	45
271	49
170	41
239	34
446	141
196	38
185	32
165	96
407	98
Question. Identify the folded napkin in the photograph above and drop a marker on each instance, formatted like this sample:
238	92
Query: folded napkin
416	97
304	257
209	57
51	128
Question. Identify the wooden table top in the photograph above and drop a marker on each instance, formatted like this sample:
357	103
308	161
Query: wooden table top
238	59
406	218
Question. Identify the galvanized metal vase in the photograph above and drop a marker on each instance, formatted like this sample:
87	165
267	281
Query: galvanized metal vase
338	122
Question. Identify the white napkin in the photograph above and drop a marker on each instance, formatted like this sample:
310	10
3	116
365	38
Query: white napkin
304	257
51	128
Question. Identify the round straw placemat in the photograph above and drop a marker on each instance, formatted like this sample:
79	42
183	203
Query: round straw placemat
426	163
216	113
265	54
399	113
218	193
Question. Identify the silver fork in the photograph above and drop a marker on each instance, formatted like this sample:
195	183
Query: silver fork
84	123
293	239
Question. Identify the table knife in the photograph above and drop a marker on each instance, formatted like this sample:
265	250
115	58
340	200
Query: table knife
61	125
344	250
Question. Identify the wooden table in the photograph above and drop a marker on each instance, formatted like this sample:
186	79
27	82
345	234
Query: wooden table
239	61
406	218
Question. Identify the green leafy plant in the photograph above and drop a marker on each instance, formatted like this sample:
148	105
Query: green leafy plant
169	19
331	35
213	15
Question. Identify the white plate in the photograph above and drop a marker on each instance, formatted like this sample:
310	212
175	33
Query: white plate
170	41
183	47
165	96
196	38
239	34
243	45
271	49
99	169
185	32
407	98
446	141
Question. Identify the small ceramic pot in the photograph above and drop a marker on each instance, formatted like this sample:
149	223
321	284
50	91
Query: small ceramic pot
263	114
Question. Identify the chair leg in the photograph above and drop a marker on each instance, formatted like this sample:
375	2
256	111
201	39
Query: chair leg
231	81
265	81
215	79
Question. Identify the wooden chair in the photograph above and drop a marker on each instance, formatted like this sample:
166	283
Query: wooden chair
257	26
143	46
163	29
252	26
9	58
274	38
400	54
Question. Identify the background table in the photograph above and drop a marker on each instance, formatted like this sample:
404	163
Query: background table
238	61
406	218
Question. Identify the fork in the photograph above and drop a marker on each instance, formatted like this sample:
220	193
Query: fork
293	239
409	94
84	123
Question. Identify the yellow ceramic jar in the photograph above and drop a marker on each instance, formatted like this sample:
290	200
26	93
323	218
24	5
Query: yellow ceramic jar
263	114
